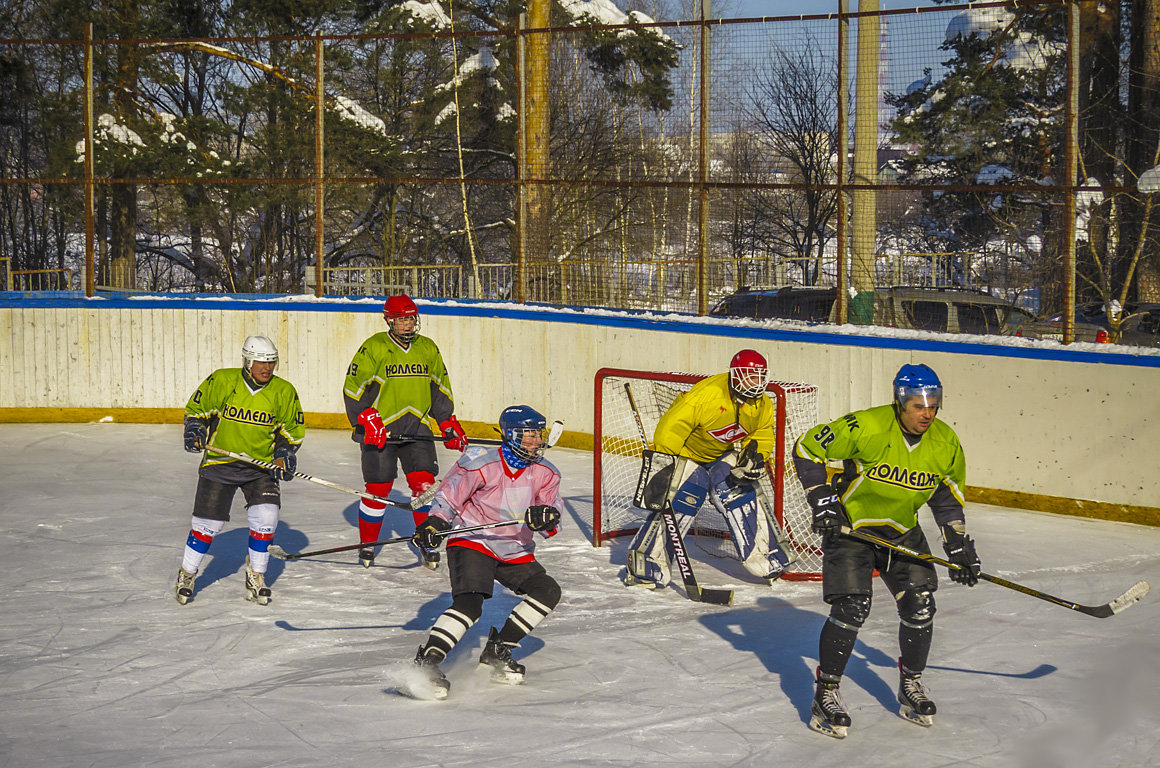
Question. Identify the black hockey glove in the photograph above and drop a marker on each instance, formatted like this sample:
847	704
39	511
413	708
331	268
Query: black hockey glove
960	549
284	456
828	509
195	435
750	464
430	532
541	517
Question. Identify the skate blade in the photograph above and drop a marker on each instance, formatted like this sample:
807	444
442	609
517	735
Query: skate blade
502	677
827	729
258	598
184	597
366	563
906	713
632	581
426	691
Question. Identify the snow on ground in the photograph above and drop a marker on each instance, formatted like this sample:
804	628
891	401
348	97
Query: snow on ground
99	666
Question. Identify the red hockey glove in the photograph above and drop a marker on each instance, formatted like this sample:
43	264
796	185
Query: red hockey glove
453	436
374	433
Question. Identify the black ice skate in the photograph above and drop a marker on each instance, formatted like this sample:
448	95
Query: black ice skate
829	715
256	589
498	656
184	587
916	704
366	557
427	659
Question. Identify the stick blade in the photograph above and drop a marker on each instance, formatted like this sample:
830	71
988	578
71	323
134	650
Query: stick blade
714	596
276	551
1135	594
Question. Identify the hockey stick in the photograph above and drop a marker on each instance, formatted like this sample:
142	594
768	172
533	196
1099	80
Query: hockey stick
415	503
554	434
673	533
1134	594
278	552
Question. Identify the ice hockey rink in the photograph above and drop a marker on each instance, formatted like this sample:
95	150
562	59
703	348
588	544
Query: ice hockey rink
100	667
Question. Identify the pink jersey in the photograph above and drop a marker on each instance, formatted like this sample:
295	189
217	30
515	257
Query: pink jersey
481	488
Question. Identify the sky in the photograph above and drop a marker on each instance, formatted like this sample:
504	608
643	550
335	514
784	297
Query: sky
100	667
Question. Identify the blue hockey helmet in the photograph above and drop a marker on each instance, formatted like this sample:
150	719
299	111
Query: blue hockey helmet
517	425
918	381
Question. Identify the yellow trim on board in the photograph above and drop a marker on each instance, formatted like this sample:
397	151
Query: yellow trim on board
1099	510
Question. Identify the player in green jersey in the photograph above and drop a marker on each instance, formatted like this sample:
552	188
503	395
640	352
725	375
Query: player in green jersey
395	385
895	458
245	410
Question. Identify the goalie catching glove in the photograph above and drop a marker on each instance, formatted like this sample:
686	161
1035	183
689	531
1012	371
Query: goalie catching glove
287	461
195	435
828	510
374	431
430	532
453	435
960	549
750	464
541	517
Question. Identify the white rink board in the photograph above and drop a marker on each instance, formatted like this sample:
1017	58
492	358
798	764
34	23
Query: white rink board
1030	419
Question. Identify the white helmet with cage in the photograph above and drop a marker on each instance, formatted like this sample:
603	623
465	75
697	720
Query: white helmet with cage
258	349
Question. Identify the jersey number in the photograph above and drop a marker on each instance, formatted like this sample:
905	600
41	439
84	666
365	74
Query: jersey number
825	436
352	370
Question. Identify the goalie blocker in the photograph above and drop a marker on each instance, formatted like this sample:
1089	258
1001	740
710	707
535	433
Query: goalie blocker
684	484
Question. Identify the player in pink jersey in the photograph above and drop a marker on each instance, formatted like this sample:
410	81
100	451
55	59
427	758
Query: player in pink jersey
512	482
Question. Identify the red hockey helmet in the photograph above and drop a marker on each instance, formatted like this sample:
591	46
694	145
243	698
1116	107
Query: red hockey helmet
395	311
399	306
748	374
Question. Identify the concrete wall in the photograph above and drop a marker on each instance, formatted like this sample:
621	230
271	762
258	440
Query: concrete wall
1037	421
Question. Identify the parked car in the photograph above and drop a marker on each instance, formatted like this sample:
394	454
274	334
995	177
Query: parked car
1141	325
811	304
948	309
1051	328
941	309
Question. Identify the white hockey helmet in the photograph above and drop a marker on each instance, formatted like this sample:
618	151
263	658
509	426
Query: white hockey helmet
258	349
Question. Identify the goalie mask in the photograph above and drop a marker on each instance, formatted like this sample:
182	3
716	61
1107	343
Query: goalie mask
748	374
522	430
258	349
402	317
918	381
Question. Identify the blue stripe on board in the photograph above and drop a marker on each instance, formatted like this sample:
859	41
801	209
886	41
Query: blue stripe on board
670	322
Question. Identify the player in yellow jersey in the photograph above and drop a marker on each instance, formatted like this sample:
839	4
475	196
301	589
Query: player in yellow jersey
896	458
716	438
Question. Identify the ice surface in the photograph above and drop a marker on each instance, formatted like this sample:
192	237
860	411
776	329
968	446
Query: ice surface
99	665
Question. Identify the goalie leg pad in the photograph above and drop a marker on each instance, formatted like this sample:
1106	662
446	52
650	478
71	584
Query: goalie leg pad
648	557
750	527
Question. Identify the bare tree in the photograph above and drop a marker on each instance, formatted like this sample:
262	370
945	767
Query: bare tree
790	107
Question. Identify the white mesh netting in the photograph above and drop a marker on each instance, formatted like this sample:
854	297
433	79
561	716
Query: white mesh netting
617	461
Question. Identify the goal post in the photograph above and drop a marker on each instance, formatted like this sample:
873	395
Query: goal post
617	450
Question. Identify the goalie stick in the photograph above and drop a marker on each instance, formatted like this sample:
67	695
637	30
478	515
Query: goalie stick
1134	594
281	554
415	503
673	533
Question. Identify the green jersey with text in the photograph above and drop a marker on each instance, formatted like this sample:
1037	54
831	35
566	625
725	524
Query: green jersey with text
406	385
246	420
886	478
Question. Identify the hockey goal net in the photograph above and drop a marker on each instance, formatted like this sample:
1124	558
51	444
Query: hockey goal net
617	462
